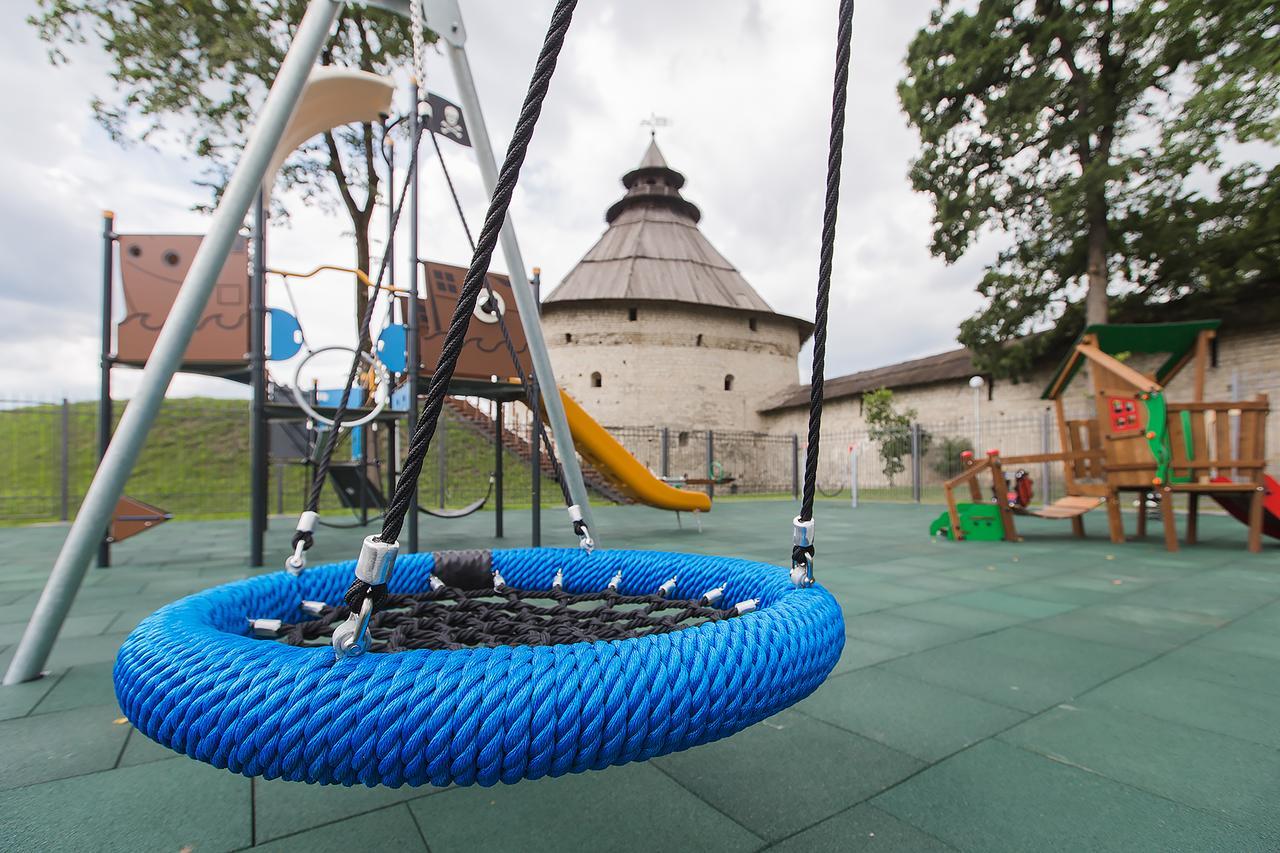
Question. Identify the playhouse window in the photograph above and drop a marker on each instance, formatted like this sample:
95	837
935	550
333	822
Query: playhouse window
596	380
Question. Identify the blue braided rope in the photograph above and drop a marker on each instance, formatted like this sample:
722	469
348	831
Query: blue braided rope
191	678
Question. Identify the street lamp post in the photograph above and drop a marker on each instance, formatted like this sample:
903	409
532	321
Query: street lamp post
976	383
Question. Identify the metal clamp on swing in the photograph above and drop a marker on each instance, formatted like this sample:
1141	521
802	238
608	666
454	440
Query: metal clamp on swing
303	538
373	569
585	542
802	552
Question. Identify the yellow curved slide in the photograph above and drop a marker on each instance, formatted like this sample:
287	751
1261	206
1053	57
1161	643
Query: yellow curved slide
616	464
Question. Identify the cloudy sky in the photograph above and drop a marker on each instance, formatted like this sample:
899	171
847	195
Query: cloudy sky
746	86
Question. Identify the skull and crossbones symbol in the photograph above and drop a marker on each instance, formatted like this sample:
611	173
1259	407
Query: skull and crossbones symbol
451	123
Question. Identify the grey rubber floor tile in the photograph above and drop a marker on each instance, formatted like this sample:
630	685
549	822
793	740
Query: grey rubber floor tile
863	829
43	747
165	806
1208	771
995	797
623	808
393	828
920	719
754	776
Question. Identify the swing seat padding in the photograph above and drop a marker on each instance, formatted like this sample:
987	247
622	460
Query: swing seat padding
192	678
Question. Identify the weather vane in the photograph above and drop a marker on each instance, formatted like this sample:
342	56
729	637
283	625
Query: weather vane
653	122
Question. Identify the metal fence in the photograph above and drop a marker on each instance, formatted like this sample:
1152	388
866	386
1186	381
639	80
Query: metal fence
195	463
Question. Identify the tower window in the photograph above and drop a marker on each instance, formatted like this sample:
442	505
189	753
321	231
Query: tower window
631	314
698	342
596	380
568	338
751	323
728	382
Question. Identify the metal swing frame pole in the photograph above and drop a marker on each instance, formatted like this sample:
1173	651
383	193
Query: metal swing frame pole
413	357
106	359
108	482
258	449
445	18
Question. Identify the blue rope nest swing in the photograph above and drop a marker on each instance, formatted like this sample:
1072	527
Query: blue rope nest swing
193	678
508	665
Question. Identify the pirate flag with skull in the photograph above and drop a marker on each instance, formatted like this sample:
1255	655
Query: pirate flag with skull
446	120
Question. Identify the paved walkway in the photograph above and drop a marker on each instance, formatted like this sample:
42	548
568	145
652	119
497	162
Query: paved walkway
1050	695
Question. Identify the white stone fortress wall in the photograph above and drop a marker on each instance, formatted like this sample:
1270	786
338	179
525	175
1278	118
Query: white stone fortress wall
668	366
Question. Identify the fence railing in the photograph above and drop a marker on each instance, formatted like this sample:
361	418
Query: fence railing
196	461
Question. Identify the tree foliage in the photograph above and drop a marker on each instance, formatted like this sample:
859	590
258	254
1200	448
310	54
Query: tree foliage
1115	145
197	71
891	431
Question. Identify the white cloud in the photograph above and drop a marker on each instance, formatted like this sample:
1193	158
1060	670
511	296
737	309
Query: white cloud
747	86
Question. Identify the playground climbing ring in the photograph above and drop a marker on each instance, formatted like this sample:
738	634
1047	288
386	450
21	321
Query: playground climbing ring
381	389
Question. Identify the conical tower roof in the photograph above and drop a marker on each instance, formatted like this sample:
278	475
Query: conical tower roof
654	251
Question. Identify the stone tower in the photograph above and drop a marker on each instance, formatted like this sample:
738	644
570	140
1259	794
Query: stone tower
655	327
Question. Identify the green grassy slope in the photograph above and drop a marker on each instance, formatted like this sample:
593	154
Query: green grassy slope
196	464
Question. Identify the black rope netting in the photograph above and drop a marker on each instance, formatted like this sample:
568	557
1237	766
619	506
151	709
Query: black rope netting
452	618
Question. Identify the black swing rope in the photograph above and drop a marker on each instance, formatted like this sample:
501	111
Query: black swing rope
321	472
529	391
450	617
803	554
420	441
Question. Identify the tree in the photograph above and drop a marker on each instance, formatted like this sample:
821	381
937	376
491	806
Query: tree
199	69
1102	137
950	459
891	430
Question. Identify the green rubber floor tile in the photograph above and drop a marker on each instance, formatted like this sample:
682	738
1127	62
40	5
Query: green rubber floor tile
863	829
1131	625
1202	663
901	633
74	626
389	829
166	806
898	594
80	686
589	811
1028	686
843	577
284	808
944	612
140	749
17	700
982	577
74	651
1048	648
994	797
1198	596
898	569
787	773
859	653
920	719
1248	714
1059	594
853	603
1264	619
940	584
1014	605
1241	640
1212	772
43	747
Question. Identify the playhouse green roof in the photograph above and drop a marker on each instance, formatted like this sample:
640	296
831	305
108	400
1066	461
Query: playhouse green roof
1176	339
